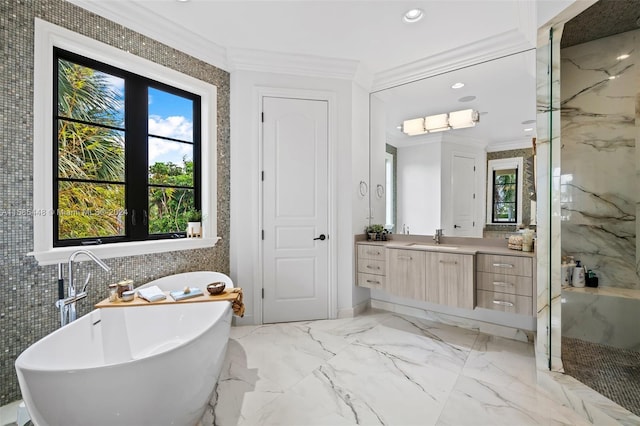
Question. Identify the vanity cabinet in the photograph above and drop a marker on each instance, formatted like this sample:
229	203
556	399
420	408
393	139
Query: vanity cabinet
505	283
372	266
406	273
449	279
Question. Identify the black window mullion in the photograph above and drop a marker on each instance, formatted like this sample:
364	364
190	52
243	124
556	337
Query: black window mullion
136	98
197	148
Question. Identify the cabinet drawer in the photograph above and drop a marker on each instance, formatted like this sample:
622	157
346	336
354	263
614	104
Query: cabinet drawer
370	266
508	265
370	280
512	284
504	302
370	251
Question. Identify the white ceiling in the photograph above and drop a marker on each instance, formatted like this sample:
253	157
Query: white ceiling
370	32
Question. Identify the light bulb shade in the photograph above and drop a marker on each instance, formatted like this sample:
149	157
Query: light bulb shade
463	118
436	123
414	127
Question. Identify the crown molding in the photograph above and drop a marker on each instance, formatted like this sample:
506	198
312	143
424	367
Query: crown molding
504	44
295	64
155	27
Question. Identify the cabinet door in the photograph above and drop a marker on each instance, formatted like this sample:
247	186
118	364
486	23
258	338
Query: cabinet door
449	279
405	273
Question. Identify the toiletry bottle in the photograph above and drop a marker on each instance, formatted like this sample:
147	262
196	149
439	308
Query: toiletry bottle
571	266
566	273
578	275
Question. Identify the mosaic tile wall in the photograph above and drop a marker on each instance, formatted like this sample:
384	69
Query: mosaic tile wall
27	291
503	231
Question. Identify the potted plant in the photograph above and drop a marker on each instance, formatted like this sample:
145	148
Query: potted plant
376	232
194	223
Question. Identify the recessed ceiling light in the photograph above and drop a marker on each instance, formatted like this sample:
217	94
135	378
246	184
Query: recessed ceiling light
413	15
528	129
466	99
458	85
621	57
528	121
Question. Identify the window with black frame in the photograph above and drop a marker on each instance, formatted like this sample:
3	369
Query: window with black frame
505	196
127	155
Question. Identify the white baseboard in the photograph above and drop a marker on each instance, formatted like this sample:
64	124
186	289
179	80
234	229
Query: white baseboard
355	311
469	323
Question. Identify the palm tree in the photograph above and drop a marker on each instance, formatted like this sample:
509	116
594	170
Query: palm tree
89	149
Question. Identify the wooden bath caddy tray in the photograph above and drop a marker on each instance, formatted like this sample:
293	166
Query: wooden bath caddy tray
137	301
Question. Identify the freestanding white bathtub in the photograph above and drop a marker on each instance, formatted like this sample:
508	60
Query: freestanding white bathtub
148	365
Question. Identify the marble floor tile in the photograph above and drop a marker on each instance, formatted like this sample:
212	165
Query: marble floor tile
474	402
378	368
503	362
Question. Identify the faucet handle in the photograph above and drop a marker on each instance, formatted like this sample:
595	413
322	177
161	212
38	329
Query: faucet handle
86	282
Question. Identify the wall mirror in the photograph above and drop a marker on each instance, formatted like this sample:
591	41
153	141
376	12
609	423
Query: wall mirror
440	179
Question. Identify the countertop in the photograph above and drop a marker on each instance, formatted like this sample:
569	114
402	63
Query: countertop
462	247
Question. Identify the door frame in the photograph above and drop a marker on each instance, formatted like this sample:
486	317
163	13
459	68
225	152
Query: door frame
261	92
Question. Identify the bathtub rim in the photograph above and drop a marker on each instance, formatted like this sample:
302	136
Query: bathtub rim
20	362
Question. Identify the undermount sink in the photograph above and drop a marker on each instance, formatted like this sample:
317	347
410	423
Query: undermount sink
437	247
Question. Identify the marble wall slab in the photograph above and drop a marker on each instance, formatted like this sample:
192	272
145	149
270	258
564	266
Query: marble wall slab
608	320
599	186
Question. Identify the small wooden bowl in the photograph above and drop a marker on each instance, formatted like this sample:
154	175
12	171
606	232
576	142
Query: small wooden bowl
216	288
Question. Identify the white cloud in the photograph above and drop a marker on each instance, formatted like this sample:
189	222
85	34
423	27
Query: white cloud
176	127
161	150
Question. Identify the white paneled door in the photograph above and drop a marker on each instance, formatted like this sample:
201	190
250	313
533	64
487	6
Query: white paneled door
295	209
463	178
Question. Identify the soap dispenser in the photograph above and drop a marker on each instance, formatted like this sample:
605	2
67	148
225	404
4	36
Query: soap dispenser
578	275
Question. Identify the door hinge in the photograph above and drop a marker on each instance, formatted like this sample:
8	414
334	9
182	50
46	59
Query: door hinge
262	175
474	196
262	117
263	293
474	168
262	234
473	224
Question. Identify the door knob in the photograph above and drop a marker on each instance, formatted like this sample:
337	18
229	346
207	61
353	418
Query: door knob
322	237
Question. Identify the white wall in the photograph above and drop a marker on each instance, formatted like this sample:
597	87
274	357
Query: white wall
419	188
377	157
360	172
245	161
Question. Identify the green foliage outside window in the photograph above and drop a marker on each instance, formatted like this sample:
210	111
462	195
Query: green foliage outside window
91	163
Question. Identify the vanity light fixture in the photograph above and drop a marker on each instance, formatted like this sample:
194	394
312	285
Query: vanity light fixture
441	122
622	57
458	85
436	123
528	129
413	15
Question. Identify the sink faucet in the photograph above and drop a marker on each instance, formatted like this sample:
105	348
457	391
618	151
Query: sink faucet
437	236
67	305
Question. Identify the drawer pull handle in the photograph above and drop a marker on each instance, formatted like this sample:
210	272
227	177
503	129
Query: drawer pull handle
377	253
503	265
372	267
450	262
405	257
373	282
503	303
502	284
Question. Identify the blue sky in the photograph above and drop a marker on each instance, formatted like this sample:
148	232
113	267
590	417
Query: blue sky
169	116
